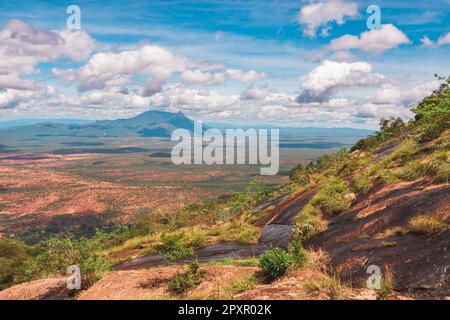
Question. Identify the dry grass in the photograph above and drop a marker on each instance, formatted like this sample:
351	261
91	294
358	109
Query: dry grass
426	225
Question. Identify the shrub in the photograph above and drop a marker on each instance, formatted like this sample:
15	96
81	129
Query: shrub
181	283
330	198
366	144
306	230
416	170
433	112
426	225
275	262
441	172
241	285
174	249
404	151
58	254
391	128
298	175
14	260
298	254
362	182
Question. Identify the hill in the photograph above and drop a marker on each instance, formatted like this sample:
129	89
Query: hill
148	124
377	215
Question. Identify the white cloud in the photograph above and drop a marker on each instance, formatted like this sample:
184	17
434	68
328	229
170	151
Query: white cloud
393	95
104	69
22	47
444	39
248	76
374	41
254	93
427	42
331	76
197	76
110	69
320	14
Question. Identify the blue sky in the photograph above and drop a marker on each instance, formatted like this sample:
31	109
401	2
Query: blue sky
296	63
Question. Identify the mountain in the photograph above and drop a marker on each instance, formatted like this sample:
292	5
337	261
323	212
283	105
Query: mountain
27	122
148	124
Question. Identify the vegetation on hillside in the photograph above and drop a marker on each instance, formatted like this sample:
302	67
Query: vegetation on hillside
414	150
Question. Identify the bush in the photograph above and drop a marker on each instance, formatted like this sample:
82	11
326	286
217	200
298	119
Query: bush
433	113
426	225
181	283
58	254
366	144
14	260
298	175
174	249
362	182
275	262
298	254
330	198
306	230
415	170
391	128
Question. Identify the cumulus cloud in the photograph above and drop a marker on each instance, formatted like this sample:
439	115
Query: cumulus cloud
197	76
392	101
105	69
111	69
374	41
331	76
22	47
393	95
254	93
320	15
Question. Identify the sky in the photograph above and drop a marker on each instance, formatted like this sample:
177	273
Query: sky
285	63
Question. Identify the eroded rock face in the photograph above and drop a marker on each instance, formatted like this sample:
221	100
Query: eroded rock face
355	239
153	283
43	289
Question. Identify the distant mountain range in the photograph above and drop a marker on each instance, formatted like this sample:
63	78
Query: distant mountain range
152	123
148	124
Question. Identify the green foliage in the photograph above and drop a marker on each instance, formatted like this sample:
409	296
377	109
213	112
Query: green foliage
174	249
404	152
239	232
181	283
362	182
241	285
330	198
296	249
14	260
56	255
433	113
275	262
298	175
303	231
391	128
366	144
